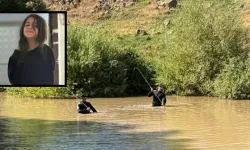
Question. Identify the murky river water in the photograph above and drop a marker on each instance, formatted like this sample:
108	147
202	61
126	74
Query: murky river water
125	123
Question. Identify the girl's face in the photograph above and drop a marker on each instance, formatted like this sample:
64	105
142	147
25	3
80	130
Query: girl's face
30	29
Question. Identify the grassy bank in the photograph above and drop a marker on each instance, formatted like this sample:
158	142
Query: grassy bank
203	49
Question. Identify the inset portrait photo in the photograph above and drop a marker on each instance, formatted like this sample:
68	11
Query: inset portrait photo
33	49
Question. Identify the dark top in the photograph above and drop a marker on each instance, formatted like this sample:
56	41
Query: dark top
35	67
82	107
158	98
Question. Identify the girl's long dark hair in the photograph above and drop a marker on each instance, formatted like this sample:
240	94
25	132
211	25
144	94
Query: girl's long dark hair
41	37
42	32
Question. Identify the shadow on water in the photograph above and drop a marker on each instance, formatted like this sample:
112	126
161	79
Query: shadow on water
44	134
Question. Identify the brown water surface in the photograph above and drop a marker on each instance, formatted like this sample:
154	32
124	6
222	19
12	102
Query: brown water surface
125	123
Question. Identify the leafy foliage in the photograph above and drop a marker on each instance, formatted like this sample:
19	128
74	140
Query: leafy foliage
102	68
39	92
23	5
201	41
233	82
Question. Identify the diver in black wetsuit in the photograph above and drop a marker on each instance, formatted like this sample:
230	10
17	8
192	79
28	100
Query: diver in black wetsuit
159	97
84	107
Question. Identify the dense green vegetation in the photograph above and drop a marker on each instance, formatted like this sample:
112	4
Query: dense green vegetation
23	5
40	92
203	51
205	39
101	67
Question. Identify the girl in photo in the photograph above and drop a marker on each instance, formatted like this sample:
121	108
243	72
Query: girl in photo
32	63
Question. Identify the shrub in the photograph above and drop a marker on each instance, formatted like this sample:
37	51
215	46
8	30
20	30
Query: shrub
203	38
101	67
233	82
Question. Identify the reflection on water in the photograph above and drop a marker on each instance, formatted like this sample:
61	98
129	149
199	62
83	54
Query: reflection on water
40	134
125	123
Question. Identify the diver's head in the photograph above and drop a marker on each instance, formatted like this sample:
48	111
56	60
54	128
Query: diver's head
84	98
160	88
